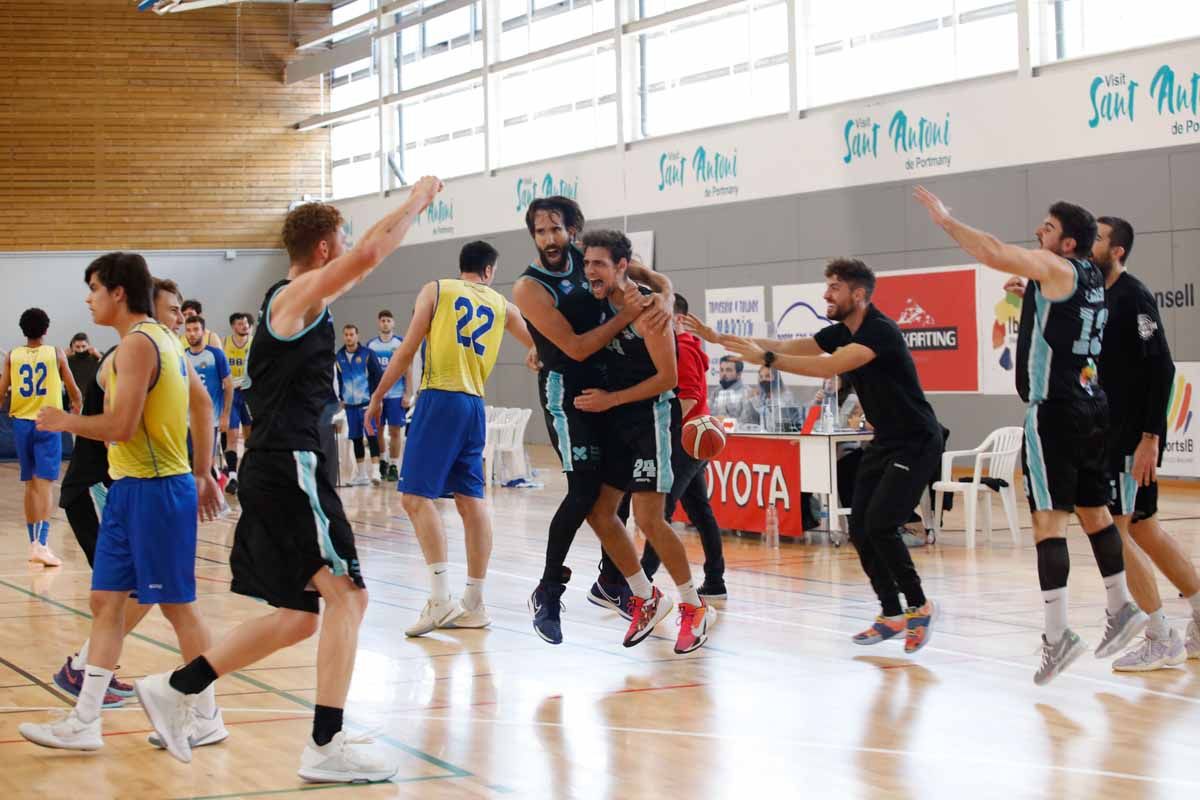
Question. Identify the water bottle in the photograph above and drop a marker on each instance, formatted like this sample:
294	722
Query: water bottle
829	412
770	537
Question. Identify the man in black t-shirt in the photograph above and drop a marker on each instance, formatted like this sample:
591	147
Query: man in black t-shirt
869	347
1136	372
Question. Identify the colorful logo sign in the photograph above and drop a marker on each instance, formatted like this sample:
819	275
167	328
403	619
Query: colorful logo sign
936	315
530	189
1179	409
922	142
716	171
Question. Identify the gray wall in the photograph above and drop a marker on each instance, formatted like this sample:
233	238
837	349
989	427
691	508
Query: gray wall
788	240
54	282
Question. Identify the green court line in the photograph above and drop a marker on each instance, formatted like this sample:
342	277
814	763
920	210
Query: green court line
455	771
265	792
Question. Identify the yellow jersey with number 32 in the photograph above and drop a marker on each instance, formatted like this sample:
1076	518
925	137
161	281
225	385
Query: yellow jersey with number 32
36	384
464	336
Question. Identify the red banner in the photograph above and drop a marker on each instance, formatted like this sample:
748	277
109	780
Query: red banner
936	313
751	473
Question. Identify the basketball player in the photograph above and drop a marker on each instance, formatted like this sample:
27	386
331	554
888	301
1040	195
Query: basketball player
147	539
358	374
461	323
1066	426
399	399
690	487
569	325
193	308
293	546
904	454
36	373
237	350
210	364
168	307
641	421
1136	372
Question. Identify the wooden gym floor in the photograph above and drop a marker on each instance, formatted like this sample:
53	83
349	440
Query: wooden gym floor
779	704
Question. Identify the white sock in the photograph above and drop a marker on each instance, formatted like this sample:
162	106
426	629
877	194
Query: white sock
439	579
79	660
1055	606
206	702
91	696
1157	627
640	585
233	474
473	595
687	593
1117	591
1195	603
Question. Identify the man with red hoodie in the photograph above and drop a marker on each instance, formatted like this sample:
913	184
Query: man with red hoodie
690	488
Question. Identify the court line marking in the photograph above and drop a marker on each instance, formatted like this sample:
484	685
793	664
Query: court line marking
938	756
317	788
455	771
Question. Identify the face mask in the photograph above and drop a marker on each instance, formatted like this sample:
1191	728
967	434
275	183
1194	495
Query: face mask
725	384
765	386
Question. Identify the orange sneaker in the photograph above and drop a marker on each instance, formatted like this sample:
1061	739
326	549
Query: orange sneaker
882	629
694	622
918	624
646	613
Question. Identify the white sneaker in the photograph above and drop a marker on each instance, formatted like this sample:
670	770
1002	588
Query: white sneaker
344	760
65	731
43	555
434	615
1153	654
1193	639
33	552
205	731
359	479
374	475
469	618
170	712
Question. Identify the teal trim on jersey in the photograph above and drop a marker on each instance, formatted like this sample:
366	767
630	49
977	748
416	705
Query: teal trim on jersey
1074	284
99	495
566	273
1128	487
1040	352
270	330
554	404
306	472
662	442
1039	489
628	327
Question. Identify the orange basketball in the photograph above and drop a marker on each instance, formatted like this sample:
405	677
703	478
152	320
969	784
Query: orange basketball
703	438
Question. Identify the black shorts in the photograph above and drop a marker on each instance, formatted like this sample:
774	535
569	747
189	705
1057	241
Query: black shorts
889	482
1125	497
1064	455
574	434
292	524
83	515
638	440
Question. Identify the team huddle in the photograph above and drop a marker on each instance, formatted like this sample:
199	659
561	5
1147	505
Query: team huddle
616	367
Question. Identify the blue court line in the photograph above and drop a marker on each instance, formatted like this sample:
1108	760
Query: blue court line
455	771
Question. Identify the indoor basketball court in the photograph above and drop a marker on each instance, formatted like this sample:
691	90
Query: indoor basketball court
879	319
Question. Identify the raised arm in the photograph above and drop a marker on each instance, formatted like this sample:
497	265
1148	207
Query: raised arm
537	305
844	359
301	301
1053	272
514	326
806	346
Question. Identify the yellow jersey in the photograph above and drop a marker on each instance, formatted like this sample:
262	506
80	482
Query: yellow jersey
237	359
159	447
464	336
33	373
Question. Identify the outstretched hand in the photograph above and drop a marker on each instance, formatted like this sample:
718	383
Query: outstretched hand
933	204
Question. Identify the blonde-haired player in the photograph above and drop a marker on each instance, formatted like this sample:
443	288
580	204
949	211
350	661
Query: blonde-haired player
461	322
36	373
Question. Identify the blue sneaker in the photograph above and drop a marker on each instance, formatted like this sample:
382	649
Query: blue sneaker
614	598
71	681
546	605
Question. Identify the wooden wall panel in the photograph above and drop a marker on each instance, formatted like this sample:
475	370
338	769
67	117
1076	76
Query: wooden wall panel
121	129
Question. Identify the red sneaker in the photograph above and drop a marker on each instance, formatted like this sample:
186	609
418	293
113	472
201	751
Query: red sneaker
646	614
694	622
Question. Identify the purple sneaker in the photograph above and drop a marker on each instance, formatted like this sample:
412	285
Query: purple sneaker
71	681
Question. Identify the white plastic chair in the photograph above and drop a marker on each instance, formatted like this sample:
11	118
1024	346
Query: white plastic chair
513	446
347	463
999	452
499	434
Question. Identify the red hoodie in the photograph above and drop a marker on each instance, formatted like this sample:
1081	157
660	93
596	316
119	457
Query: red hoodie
693	373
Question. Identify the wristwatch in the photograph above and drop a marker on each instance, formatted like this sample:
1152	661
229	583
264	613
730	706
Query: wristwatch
768	359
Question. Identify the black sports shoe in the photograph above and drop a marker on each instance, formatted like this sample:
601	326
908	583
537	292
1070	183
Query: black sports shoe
232	486
393	472
713	589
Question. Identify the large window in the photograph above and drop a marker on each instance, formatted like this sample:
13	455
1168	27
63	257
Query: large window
439	134
527	26
354	150
562	105
1075	28
444	46
721	67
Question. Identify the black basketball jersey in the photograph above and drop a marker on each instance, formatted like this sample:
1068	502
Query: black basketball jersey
625	360
89	459
291	382
1059	341
574	300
